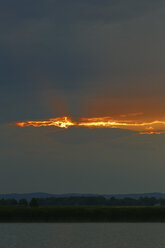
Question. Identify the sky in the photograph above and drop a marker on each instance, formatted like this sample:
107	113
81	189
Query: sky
83	60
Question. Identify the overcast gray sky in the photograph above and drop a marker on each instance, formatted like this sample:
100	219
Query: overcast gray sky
81	58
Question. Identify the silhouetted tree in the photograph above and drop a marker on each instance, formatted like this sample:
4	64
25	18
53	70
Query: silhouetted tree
33	203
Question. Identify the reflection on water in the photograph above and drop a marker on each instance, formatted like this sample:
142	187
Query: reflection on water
87	235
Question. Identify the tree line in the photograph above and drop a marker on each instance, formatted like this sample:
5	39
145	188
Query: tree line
84	201
21	202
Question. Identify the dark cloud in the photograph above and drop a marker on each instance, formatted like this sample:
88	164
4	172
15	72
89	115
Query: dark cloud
64	44
76	10
78	47
106	161
80	135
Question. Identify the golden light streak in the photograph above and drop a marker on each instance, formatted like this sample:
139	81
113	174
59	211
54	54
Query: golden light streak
142	127
62	122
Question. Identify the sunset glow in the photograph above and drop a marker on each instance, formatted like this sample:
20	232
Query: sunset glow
62	122
151	127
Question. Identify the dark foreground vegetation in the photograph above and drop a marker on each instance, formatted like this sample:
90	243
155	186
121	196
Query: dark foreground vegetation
81	214
83	209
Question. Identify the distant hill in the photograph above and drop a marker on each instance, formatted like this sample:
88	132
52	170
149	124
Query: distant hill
156	195
29	196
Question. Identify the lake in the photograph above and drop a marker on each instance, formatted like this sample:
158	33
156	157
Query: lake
82	235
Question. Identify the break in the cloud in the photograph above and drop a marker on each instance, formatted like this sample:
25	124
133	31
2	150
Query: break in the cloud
142	127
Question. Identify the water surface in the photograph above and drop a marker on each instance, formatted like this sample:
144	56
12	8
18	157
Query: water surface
86	235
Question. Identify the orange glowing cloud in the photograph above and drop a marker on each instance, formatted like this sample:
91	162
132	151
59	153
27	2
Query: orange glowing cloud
62	122
142	127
